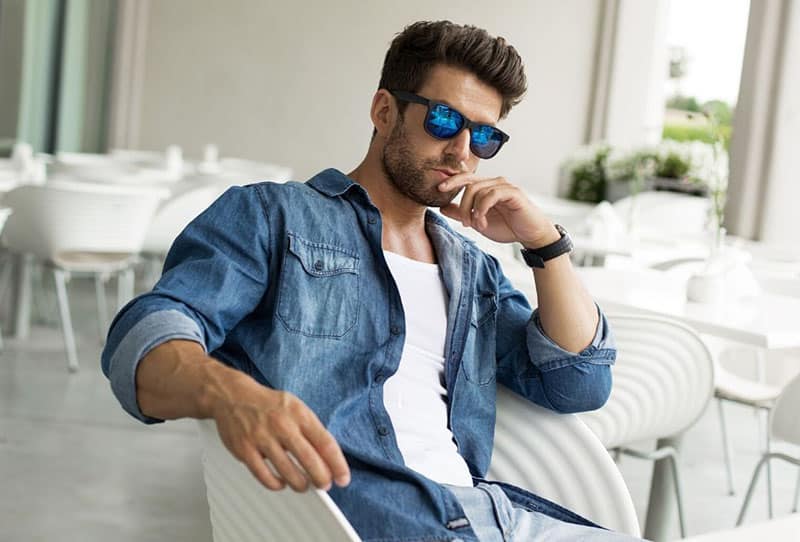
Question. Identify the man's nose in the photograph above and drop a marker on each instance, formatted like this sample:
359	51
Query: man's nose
458	147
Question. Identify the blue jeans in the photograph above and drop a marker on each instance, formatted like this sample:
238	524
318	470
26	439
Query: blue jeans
494	518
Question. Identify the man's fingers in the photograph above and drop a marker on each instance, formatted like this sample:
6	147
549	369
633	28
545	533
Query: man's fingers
310	461
487	199
472	193
286	467
254	461
329	451
459	180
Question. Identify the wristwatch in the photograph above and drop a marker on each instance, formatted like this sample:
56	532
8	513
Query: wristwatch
535	257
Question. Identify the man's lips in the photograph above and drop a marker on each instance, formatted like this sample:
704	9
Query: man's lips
445	173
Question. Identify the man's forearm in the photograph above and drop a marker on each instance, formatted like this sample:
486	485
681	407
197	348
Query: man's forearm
177	379
566	310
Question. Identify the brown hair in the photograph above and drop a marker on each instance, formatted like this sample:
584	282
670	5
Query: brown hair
422	45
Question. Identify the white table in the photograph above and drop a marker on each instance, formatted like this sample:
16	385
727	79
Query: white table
785	529
766	321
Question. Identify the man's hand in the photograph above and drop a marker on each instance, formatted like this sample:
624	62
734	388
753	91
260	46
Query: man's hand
177	379
258	424
499	210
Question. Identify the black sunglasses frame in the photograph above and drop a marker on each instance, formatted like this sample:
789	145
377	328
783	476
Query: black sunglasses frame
410	97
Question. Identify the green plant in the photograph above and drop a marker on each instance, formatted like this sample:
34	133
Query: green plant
586	169
672	166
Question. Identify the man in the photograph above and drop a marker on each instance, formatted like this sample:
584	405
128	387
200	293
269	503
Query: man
341	334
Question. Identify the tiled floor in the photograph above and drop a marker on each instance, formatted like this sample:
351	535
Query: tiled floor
74	466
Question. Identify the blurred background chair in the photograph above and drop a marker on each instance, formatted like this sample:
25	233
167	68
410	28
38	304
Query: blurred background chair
783	426
557	457
171	217
5	266
663	380
79	229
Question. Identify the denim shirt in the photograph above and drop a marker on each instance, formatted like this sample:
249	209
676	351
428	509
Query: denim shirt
288	283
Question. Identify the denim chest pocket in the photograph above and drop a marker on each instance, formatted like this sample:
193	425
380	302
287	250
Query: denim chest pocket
318	294
479	361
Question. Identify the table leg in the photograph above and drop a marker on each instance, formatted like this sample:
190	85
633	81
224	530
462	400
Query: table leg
661	522
22	296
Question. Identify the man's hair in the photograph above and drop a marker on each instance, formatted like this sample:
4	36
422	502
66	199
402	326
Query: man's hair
422	45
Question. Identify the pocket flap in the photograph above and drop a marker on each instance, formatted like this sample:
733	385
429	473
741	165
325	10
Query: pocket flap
484	308
322	260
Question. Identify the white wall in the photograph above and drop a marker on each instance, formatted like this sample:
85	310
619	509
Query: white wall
292	82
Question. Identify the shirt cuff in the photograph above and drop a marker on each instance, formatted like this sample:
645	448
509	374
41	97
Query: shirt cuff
547	355
148	333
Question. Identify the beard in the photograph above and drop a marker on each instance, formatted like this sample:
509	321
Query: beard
407	173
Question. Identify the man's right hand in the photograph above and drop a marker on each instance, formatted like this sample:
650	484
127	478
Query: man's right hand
257	424
177	380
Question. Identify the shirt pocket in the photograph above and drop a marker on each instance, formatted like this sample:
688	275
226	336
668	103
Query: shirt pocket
319	284
479	360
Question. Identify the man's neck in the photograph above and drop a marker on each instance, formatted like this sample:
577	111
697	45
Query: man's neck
403	219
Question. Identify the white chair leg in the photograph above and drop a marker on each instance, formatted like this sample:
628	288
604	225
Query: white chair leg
796	494
769	464
678	492
66	321
750	488
125	287
22	315
100	281
726	448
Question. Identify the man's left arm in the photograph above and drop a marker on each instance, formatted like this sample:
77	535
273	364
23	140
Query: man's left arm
567	334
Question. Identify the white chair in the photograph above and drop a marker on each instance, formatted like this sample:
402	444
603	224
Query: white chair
663	380
5	269
556	457
783	426
244	171
171	217
80	229
728	386
664	214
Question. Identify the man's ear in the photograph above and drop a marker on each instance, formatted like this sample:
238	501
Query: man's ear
383	112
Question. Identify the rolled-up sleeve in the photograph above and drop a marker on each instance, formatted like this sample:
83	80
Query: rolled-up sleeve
152	330
547	355
214	275
534	366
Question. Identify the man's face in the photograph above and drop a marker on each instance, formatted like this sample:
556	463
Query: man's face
414	161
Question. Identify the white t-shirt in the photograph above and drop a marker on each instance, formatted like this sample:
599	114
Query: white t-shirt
415	396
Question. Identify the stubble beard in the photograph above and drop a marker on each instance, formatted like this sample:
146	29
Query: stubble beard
407	174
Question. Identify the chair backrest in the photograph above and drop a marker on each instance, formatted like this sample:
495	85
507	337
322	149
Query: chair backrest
557	457
662	381
78	217
783	422
242	510
175	213
244	171
666	214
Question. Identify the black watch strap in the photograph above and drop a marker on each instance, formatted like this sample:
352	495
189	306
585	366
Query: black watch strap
536	257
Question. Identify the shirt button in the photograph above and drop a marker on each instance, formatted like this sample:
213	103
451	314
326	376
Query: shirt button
378	378
372	220
383	431
318	265
396	330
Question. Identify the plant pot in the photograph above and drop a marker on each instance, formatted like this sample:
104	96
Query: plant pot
616	190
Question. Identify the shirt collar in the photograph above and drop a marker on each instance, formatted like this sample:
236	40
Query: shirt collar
331	182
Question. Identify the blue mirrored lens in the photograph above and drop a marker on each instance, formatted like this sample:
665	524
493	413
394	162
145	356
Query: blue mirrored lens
485	140
444	122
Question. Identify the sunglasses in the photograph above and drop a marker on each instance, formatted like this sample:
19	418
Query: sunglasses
444	122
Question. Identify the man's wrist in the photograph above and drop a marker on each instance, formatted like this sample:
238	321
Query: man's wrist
550	235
